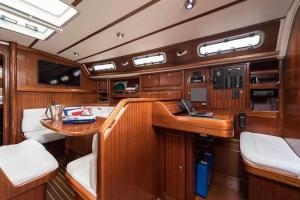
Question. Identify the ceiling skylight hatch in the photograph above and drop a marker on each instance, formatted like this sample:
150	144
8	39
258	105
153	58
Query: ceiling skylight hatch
35	18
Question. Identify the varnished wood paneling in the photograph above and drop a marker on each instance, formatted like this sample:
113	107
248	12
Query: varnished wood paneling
174	167
292	83
269	28
31	94
128	154
4	50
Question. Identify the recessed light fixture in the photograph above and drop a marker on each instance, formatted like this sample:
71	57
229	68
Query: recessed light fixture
76	54
189	4
120	35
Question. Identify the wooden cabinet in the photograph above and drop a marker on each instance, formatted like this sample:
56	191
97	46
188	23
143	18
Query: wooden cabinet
174	167
102	85
171	95
171	79
150	80
164	94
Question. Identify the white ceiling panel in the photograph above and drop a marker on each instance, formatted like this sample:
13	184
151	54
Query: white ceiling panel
93	15
7	35
241	15
158	16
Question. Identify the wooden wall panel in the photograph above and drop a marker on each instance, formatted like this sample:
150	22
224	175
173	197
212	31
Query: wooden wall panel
4	50
292	83
27	76
270	29
129	156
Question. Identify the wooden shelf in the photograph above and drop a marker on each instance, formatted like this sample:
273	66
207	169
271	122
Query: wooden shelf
131	95
273	71
264	86
52	90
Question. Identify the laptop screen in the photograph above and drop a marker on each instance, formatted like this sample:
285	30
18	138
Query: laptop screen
188	105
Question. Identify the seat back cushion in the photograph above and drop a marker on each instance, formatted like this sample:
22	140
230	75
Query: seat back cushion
95	144
31	119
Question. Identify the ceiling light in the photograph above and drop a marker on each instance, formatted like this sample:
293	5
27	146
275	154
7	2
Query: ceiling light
76	54
54	12
189	4
120	35
24	26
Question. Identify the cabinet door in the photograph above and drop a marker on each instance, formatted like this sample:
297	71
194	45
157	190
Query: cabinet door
102	85
171	79
150	80
150	95
170	95
174	167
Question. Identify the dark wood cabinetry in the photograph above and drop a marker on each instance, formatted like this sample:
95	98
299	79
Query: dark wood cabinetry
174	167
170	79
150	80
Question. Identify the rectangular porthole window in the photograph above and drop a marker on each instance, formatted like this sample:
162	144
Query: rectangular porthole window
151	59
232	44
55	12
104	66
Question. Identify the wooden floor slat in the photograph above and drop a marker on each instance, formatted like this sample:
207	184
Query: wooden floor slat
59	188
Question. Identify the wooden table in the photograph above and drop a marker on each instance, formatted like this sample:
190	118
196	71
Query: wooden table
74	129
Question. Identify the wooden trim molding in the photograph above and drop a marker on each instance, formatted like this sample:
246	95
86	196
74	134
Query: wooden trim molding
33	43
12	93
140	9
272	175
168	27
52	90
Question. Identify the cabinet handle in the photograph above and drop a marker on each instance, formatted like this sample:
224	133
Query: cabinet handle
169	74
180	167
149	76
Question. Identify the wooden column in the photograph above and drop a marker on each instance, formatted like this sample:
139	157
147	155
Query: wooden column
12	92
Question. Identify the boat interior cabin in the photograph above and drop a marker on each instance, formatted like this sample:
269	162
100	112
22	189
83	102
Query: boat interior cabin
149	100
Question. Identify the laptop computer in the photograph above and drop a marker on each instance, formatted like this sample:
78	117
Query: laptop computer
192	112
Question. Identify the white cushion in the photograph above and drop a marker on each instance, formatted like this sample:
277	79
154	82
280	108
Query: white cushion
81	170
44	136
31	119
33	129
26	161
102	111
270	152
95	144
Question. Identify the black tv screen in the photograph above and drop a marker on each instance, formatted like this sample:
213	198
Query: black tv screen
58	74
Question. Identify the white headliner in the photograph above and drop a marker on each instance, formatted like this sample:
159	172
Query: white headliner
95	14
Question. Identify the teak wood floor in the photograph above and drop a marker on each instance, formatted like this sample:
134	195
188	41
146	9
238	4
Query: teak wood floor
59	188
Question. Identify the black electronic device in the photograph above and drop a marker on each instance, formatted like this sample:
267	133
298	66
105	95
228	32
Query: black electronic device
192	111
197	77
58	74
228	77
242	120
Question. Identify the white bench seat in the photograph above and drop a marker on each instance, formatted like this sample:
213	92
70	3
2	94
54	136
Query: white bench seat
26	161
80	170
269	152
33	129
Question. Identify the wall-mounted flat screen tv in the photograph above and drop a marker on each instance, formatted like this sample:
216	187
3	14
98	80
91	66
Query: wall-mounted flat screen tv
58	74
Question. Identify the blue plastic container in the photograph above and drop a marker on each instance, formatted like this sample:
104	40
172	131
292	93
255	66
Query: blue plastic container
203	174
